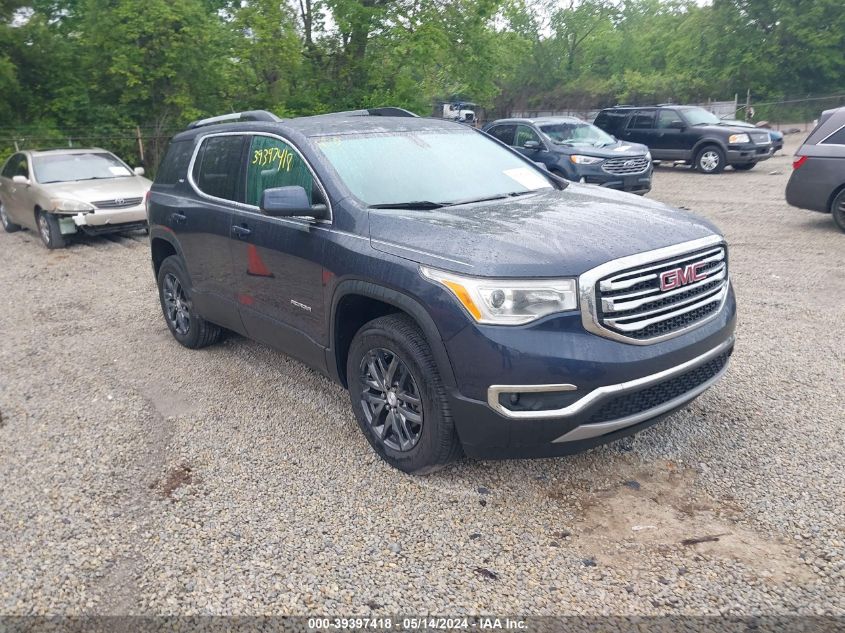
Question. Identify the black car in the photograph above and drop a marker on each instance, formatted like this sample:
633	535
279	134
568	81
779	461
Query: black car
688	134
577	150
818	175
470	301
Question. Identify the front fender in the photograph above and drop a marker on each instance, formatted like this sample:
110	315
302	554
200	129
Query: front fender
403	302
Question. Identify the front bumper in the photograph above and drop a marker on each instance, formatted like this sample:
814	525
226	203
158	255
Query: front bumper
103	221
632	183
618	388
749	153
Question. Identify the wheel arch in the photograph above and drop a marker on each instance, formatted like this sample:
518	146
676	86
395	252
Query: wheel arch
162	246
833	197
356	303
704	142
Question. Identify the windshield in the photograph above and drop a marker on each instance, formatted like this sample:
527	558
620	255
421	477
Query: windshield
70	167
700	116
577	133
435	167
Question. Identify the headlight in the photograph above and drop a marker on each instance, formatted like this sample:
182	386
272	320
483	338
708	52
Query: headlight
68	204
648	156
739	138
508	301
585	160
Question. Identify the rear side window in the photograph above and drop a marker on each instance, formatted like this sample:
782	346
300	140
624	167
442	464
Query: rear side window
273	163
837	138
504	133
610	121
642	120
218	167
174	166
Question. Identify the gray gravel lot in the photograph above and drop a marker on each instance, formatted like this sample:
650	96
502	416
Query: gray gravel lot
140	477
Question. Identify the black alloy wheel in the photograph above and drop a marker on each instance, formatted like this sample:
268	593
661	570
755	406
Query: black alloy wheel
391	400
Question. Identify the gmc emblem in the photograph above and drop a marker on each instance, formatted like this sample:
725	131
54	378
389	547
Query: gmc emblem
677	277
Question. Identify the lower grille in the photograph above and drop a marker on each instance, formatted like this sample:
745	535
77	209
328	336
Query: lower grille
117	203
625	166
651	397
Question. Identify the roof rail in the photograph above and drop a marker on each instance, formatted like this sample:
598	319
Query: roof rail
390	111
384	111
250	115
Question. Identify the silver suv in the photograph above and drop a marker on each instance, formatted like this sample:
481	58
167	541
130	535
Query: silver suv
62	192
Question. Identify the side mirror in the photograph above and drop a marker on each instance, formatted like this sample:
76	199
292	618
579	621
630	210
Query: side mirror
20	180
139	171
677	125
531	145
286	202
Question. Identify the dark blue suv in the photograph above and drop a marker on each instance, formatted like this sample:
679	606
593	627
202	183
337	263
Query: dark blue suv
471	302
577	150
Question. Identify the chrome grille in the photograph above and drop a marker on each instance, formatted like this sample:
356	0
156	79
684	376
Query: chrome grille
117	203
624	166
661	298
761	138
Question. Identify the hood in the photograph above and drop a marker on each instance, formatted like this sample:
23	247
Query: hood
94	190
619	149
553	233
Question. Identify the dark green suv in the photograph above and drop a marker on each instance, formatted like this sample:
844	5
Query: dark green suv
688	134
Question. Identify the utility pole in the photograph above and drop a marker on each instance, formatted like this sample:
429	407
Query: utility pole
140	145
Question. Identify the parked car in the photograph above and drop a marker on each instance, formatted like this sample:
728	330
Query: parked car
470	301
577	150
818	175
776	136
61	192
687	134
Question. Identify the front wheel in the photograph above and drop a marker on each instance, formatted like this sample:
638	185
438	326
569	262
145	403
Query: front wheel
398	397
837	210
174	292
744	166
5	220
48	229
710	160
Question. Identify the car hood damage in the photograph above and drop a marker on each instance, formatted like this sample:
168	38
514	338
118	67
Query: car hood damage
552	233
94	190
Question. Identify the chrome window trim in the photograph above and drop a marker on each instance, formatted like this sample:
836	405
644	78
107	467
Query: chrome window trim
836	131
242	206
587	287
598	394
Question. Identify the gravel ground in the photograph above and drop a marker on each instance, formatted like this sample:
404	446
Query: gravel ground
139	477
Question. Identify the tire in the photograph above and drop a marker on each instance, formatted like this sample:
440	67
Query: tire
174	293
744	166
710	159
48	230
837	210
8	225
412	446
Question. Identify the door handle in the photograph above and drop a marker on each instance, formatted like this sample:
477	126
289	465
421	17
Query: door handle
178	218
241	231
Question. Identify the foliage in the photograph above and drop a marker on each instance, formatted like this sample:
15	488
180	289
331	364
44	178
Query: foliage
90	71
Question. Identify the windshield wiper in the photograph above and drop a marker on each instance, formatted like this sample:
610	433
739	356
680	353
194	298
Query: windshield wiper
47	182
503	196
419	204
